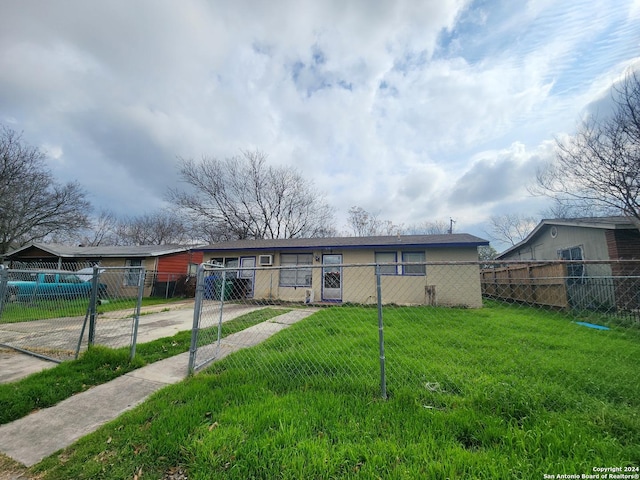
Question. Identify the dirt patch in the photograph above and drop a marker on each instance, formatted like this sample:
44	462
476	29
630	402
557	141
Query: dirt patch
11	470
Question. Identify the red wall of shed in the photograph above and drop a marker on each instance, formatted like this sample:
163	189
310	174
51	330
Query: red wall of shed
176	264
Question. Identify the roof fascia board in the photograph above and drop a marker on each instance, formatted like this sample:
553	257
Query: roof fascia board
344	247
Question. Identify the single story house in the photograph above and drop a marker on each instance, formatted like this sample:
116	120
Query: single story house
414	268
606	251
597	238
162	263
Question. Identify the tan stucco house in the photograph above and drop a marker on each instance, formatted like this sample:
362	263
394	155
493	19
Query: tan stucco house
415	269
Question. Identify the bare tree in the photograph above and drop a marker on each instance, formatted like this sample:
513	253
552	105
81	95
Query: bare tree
599	167
101	231
574	209
510	228
361	222
437	227
243	197
33	205
157	228
365	224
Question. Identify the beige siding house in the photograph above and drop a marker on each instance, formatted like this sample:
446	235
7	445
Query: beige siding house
593	239
601	260
415	269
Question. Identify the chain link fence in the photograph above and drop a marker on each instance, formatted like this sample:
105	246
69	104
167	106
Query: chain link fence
430	327
55	314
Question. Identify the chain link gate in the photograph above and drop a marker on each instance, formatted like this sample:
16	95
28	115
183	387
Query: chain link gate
225	296
226	319
56	314
388	327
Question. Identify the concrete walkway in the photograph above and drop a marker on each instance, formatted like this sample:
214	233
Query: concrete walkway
42	433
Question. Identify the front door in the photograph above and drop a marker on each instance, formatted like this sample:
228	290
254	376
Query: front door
247	273
332	278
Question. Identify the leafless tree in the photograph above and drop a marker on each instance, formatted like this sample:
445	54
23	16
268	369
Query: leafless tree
243	197
561	209
101	231
364	224
157	228
599	167
437	227
510	228
33	205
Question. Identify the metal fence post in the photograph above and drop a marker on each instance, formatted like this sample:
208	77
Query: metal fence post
383	378
4	277
197	309
136	319
92	306
222	293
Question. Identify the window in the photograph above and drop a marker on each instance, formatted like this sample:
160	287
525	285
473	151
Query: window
300	274
391	267
387	257
132	275
575	271
231	262
227	262
414	257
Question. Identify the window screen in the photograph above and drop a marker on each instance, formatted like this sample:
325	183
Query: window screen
414	257
386	257
300	273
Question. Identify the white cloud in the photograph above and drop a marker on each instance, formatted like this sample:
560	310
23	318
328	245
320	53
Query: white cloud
418	110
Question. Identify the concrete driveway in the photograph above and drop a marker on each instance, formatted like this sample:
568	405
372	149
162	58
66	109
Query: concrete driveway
112	330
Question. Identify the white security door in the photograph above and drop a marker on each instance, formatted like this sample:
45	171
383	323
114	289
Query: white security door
332	277
248	272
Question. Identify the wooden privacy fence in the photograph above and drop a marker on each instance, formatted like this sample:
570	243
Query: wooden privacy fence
542	284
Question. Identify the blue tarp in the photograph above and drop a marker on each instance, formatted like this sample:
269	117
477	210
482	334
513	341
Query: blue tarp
591	325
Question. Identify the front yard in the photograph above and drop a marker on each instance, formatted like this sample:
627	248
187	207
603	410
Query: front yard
501	392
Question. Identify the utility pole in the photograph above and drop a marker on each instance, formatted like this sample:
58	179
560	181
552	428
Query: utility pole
451	222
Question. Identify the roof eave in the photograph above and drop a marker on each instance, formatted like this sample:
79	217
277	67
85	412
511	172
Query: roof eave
268	248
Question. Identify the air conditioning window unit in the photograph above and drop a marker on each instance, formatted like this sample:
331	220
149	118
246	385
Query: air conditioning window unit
265	260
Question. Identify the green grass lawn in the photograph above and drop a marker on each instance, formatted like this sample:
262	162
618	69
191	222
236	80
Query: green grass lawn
501	392
99	365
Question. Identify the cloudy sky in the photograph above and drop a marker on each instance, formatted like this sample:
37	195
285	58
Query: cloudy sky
414	110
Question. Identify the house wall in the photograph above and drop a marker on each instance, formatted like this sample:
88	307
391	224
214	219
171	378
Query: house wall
115	279
545	247
623	244
453	285
176	264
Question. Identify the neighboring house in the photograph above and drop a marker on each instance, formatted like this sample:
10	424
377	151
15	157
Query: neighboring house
610	247
334	269
598	238
163	263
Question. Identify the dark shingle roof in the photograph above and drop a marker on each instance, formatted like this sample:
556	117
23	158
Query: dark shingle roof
66	251
415	241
